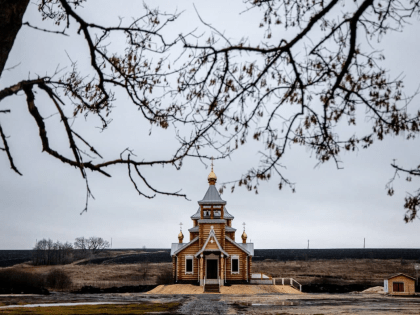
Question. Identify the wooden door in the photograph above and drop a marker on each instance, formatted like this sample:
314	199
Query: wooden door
211	268
398	286
401	287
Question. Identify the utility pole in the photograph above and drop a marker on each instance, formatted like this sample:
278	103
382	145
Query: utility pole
308	244
417	267
364	242
111	242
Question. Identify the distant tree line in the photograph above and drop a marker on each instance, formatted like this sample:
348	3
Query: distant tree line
48	252
91	245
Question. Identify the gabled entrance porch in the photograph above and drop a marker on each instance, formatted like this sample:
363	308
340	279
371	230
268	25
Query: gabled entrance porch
212	268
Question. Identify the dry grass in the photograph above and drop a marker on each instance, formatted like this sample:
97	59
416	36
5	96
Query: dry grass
96	309
105	276
360	271
369	271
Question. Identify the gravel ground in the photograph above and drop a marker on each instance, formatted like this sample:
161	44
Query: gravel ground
204	304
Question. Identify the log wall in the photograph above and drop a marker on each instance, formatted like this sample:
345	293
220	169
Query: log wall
233	250
190	250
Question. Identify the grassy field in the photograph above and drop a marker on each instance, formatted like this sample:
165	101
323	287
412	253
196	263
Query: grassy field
360	271
105	276
343	271
323	271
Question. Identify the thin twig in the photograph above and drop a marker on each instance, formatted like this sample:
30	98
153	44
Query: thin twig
45	30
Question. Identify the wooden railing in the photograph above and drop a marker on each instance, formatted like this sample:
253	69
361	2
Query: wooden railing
260	276
288	281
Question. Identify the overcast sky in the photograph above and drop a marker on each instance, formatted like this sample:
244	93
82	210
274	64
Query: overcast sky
331	208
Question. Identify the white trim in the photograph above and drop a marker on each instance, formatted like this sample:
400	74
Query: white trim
176	268
231	264
225	269
246	268
192	259
198	269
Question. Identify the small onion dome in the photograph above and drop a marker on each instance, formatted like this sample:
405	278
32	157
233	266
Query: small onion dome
212	178
180	237
212	175
244	237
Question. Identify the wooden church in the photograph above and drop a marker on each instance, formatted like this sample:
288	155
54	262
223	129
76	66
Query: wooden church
212	257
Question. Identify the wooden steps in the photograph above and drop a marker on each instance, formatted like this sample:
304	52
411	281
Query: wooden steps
211	288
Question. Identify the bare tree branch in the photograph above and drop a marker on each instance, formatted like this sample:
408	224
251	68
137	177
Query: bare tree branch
7	150
45	30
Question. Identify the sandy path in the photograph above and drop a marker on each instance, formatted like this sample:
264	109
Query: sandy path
233	289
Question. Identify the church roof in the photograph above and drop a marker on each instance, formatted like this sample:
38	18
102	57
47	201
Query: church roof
400	274
177	247
229	229
212	196
196	215
246	247
227	215
194	229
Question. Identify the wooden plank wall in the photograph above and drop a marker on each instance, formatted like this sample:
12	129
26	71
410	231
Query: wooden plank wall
231	235
219	230
190	250
193	235
229	247
235	251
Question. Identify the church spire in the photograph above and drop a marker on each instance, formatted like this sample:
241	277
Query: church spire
212	178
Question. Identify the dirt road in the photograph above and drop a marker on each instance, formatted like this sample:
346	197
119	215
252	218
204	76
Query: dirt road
301	304
206	304
326	304
322	304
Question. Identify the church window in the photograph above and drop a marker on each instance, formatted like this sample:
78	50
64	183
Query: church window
189	265
235	264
